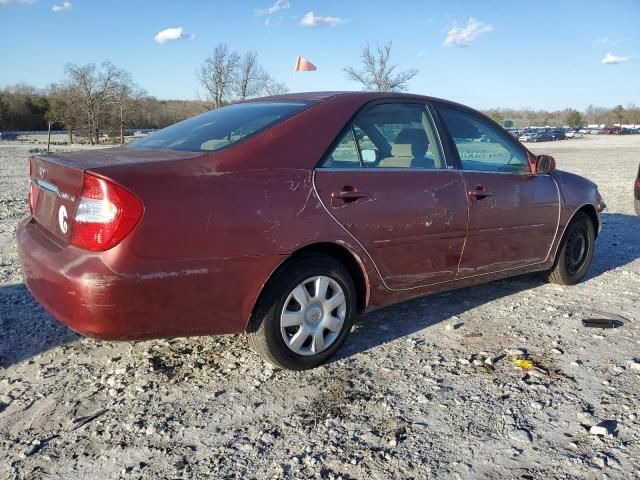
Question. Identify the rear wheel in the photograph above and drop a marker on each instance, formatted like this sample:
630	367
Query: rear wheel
636	203
575	252
305	313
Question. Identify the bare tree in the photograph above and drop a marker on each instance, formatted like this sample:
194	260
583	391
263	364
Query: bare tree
127	99
618	113
95	90
253	81
64	110
251	78
633	114
496	116
377	72
218	74
273	87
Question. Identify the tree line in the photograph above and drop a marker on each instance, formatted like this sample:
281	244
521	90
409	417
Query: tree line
95	100
527	117
91	102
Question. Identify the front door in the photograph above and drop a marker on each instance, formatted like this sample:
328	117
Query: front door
513	213
387	183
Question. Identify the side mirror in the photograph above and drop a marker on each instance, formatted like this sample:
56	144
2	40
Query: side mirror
368	155
545	164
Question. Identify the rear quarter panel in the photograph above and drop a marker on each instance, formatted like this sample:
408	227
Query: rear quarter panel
254	201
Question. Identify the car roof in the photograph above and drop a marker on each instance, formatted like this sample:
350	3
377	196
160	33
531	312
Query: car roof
365	96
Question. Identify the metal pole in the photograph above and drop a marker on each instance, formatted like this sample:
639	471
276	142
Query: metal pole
49	137
121	126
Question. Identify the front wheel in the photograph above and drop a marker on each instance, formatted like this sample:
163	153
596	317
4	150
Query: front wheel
305	313
575	252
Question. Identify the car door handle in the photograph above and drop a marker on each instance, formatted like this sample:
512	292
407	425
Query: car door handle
480	193
349	194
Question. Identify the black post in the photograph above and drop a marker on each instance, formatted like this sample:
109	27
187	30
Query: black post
49	137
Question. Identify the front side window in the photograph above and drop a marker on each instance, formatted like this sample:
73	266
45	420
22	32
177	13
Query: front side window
220	128
481	146
393	135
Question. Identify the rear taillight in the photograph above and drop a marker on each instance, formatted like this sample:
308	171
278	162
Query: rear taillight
106	213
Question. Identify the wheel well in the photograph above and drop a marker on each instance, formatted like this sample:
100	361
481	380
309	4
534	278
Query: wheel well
347	259
341	254
590	210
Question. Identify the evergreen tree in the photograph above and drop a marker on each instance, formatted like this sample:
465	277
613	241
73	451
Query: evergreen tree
573	118
4	114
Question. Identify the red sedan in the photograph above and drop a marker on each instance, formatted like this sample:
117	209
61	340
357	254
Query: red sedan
285	217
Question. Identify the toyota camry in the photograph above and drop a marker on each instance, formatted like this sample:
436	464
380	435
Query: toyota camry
285	217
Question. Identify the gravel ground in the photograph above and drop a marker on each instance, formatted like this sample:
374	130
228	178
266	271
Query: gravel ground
423	389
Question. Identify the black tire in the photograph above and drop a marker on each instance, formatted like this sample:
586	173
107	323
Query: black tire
575	252
265	336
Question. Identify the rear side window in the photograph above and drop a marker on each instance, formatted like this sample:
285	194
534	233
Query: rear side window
393	135
345	154
220	128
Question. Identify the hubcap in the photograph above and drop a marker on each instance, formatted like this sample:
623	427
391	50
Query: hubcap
577	250
313	315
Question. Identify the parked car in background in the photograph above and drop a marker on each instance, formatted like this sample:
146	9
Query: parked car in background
557	134
515	133
584	131
541	137
285	217
574	134
527	137
8	136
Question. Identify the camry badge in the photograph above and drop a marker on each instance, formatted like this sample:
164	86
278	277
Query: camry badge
42	171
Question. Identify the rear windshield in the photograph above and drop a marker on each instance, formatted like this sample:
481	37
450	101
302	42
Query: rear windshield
220	128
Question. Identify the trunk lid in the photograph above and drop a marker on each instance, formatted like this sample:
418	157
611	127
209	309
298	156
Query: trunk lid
55	189
57	180
117	157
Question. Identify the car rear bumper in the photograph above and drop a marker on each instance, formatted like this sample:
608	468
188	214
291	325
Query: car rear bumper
110	295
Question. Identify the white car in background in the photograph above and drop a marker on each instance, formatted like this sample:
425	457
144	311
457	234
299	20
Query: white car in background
527	137
571	134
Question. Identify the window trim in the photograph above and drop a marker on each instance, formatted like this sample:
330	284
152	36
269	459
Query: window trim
357	145
388	169
361	111
453	149
344	134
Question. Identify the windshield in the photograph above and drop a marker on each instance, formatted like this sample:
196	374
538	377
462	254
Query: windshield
220	128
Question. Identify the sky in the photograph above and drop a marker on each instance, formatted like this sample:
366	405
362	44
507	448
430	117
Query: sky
486	54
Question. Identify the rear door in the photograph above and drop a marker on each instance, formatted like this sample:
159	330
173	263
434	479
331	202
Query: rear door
386	181
513	213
